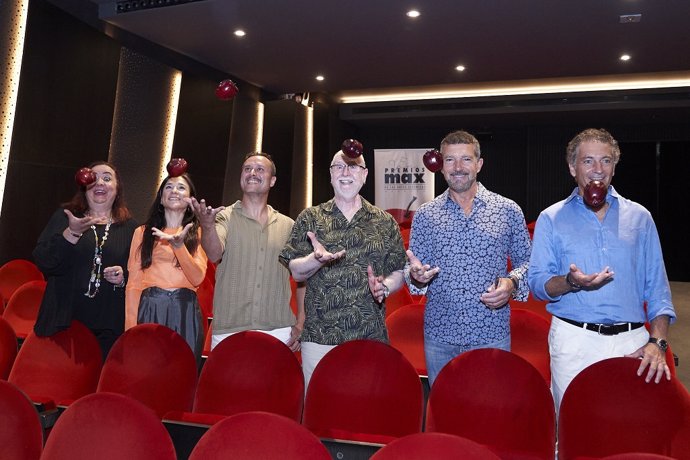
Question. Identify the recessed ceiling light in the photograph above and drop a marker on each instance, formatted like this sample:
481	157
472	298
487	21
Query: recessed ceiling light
625	57
320	78
413	14
460	68
239	33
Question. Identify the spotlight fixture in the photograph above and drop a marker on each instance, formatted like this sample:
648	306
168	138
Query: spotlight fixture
625	57
239	33
460	68
413	14
320	78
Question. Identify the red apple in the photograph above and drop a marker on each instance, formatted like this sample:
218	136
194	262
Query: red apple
595	194
226	90
433	160
177	167
352	148
85	177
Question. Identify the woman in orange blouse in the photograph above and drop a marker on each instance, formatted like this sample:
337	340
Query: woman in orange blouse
167	264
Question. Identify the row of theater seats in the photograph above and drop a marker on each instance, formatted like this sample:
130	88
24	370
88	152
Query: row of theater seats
109	425
363	395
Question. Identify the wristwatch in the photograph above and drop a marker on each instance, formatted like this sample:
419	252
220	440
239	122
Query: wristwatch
661	343
571	283
386	291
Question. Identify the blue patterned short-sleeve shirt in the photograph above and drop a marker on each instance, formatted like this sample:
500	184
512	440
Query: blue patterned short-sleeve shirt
471	252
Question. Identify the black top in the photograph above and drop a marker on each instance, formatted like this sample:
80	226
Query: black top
67	269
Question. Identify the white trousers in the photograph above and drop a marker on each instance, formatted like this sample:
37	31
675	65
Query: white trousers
574	348
311	355
282	334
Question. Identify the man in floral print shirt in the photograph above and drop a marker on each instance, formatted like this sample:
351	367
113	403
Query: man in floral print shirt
351	255
458	256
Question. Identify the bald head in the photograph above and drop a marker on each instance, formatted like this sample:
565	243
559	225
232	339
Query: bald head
340	157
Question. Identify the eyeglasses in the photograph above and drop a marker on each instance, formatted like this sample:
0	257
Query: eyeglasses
353	167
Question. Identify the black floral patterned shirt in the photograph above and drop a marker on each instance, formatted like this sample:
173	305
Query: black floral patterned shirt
338	304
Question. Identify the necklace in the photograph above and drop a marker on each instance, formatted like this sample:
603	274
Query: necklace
97	267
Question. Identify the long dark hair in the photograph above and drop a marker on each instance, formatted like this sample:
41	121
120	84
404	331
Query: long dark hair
78	204
157	219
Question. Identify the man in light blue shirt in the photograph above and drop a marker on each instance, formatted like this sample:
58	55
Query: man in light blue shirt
597	264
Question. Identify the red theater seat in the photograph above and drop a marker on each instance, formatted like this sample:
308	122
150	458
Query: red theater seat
108	426
364	390
8	348
497	399
406	333
434	445
398	299
636	456
59	368
22	309
535	306
529	335
248	371
154	365
21	434
211	272
607	409
14	273
259	435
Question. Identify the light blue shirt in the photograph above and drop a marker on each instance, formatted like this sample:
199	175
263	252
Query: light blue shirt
471	252
626	241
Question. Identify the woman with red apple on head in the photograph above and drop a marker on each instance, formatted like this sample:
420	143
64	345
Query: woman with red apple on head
167	264
83	253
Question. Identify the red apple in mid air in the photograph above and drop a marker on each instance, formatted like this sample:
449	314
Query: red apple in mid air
177	167
352	148
595	194
433	160
85	177
226	90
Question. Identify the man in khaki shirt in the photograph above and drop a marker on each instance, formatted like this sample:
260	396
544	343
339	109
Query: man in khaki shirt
252	289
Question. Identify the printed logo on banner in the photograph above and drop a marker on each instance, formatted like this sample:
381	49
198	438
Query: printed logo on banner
402	182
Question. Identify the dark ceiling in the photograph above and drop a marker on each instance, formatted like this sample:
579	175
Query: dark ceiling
372	44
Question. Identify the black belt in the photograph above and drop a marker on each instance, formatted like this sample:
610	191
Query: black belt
604	329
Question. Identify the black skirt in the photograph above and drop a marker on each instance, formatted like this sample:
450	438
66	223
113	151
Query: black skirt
177	309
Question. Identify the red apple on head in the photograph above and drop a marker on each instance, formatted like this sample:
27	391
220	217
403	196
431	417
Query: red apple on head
85	177
352	148
595	194
226	90
433	160
176	167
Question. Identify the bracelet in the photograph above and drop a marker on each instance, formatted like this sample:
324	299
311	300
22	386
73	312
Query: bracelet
76	235
573	285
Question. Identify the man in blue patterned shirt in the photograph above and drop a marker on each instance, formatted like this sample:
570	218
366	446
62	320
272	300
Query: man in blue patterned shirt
459	249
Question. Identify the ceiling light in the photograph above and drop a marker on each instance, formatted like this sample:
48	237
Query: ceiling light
413	14
512	88
629	18
239	33
320	78
460	68
625	57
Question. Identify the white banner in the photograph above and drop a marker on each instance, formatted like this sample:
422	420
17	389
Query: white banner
402	182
